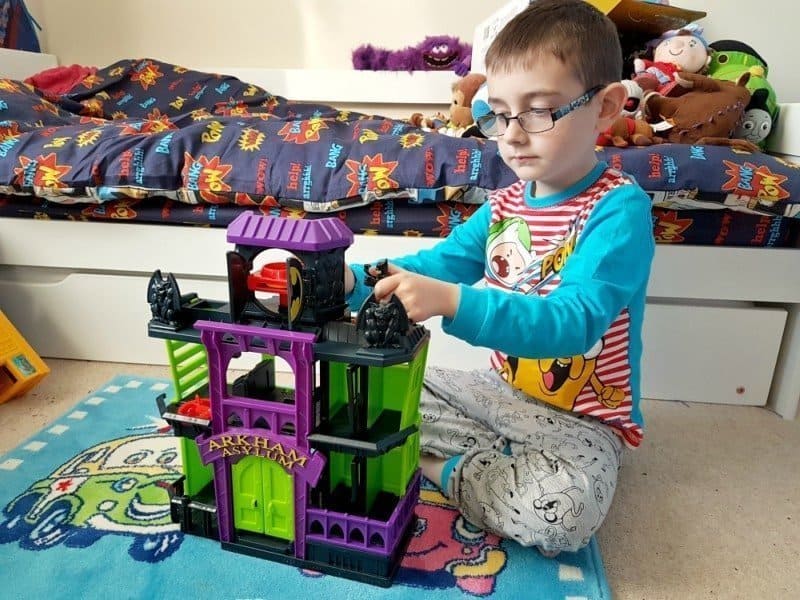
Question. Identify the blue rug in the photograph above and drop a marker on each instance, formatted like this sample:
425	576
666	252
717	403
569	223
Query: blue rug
85	515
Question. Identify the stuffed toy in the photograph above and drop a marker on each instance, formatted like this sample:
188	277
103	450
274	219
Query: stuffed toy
676	50
626	131
480	103
731	58
463	92
633	101
628	128
434	53
708	112
758	119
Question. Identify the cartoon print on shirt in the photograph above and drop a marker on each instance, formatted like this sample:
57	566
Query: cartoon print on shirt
508	250
559	381
555	260
511	258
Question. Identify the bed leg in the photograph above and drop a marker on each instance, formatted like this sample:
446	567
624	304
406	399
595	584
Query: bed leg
784	395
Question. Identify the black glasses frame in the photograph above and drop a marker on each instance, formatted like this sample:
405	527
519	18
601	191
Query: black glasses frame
490	123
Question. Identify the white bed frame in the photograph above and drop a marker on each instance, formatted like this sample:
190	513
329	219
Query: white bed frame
722	325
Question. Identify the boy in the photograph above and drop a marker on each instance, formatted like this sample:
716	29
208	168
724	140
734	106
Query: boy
530	448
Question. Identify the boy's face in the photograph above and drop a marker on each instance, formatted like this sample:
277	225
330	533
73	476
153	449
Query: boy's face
557	158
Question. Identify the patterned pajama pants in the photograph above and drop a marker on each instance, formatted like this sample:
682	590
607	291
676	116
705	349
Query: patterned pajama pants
530	472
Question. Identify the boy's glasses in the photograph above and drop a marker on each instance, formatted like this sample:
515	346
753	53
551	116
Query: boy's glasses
535	120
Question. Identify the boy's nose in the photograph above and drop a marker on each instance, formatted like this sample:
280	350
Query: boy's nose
514	132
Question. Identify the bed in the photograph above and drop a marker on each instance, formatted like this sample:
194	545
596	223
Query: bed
722	321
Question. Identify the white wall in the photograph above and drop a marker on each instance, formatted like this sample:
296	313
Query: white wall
322	33
246	33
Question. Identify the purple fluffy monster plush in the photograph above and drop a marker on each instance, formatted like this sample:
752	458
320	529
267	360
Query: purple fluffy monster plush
434	53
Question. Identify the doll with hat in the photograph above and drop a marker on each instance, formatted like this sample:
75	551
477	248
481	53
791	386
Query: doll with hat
676	50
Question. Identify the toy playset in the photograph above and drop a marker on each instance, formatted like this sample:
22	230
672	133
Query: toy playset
323	475
20	366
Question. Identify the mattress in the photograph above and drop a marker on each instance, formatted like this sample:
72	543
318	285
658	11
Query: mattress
399	216
403	217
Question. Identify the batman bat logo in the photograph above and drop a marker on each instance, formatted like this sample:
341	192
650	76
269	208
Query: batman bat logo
294	282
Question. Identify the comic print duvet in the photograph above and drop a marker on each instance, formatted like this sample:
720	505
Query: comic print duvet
144	128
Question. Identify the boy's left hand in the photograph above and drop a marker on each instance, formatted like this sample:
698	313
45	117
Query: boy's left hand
422	297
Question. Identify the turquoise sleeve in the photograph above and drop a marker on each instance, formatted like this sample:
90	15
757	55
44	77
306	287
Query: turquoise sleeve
458	258
607	272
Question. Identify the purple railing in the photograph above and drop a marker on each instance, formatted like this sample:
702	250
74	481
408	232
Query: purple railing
275	414
360	533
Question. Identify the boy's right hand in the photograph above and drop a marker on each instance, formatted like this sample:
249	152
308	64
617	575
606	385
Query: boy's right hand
350	278
422	297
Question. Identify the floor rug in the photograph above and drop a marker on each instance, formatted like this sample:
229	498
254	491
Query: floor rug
85	514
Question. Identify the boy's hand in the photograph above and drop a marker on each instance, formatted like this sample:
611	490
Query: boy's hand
423	297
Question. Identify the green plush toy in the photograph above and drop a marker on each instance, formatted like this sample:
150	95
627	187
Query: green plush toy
731	58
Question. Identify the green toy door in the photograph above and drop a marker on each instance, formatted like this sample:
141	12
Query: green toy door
263	498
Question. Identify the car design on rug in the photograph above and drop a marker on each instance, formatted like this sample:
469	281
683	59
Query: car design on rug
116	487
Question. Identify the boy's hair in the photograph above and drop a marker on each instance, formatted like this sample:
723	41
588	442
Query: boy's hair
574	31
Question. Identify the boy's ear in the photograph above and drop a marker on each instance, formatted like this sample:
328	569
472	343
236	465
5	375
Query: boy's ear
612	99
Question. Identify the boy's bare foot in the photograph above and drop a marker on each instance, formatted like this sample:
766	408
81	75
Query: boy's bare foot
432	468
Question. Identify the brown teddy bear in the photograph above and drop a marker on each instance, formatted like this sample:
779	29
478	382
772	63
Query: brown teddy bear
463	91
707	113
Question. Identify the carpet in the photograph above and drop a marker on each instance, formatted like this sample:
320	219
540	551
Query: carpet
85	514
